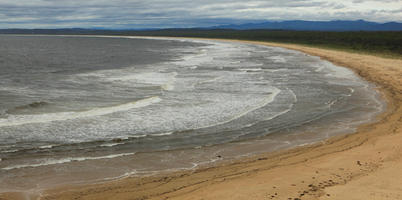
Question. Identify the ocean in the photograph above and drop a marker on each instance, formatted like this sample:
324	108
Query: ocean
81	109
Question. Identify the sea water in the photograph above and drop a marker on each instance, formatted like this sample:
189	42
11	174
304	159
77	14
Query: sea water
79	109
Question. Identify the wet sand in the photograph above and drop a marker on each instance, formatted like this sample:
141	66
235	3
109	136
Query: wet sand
363	165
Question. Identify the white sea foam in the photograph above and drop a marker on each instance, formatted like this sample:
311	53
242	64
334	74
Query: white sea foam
287	110
10	151
268	99
231	94
331	103
290	107
138	136
125	175
165	80
46	146
163	134
234	90
111	144
278	59
251	69
15	120
208	80
336	71
51	161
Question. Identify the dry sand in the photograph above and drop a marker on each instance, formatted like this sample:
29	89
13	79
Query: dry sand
363	165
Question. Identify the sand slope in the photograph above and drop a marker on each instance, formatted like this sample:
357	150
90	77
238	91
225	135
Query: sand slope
364	165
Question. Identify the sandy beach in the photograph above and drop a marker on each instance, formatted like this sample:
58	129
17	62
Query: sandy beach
363	165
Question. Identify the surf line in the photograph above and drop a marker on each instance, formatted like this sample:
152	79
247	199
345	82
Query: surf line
66	160
263	103
15	120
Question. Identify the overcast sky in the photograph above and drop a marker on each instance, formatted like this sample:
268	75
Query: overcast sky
186	13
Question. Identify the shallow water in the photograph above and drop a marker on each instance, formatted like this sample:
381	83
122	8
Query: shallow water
73	108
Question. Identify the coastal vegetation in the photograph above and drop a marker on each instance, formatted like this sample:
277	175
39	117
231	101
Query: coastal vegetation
384	43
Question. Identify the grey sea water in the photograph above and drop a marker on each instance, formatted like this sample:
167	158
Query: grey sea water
80	109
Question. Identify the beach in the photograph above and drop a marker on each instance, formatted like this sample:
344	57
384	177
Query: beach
362	165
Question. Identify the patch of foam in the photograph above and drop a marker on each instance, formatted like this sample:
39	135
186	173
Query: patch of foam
65	160
125	175
111	144
46	147
277	59
15	120
163	134
251	69
287	110
165	80
219	55
268	99
208	80
10	151
336	71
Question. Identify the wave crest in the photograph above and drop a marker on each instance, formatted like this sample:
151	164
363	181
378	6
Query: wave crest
15	120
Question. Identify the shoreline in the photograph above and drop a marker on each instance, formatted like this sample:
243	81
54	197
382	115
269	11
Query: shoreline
218	182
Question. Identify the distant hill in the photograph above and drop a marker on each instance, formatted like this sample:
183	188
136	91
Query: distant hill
296	25
359	25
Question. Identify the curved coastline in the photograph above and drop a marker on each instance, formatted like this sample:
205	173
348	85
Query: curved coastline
258	173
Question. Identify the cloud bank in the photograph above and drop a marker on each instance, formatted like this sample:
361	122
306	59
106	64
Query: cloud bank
123	14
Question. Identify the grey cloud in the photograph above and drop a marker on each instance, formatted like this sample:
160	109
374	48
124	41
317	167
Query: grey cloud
174	13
